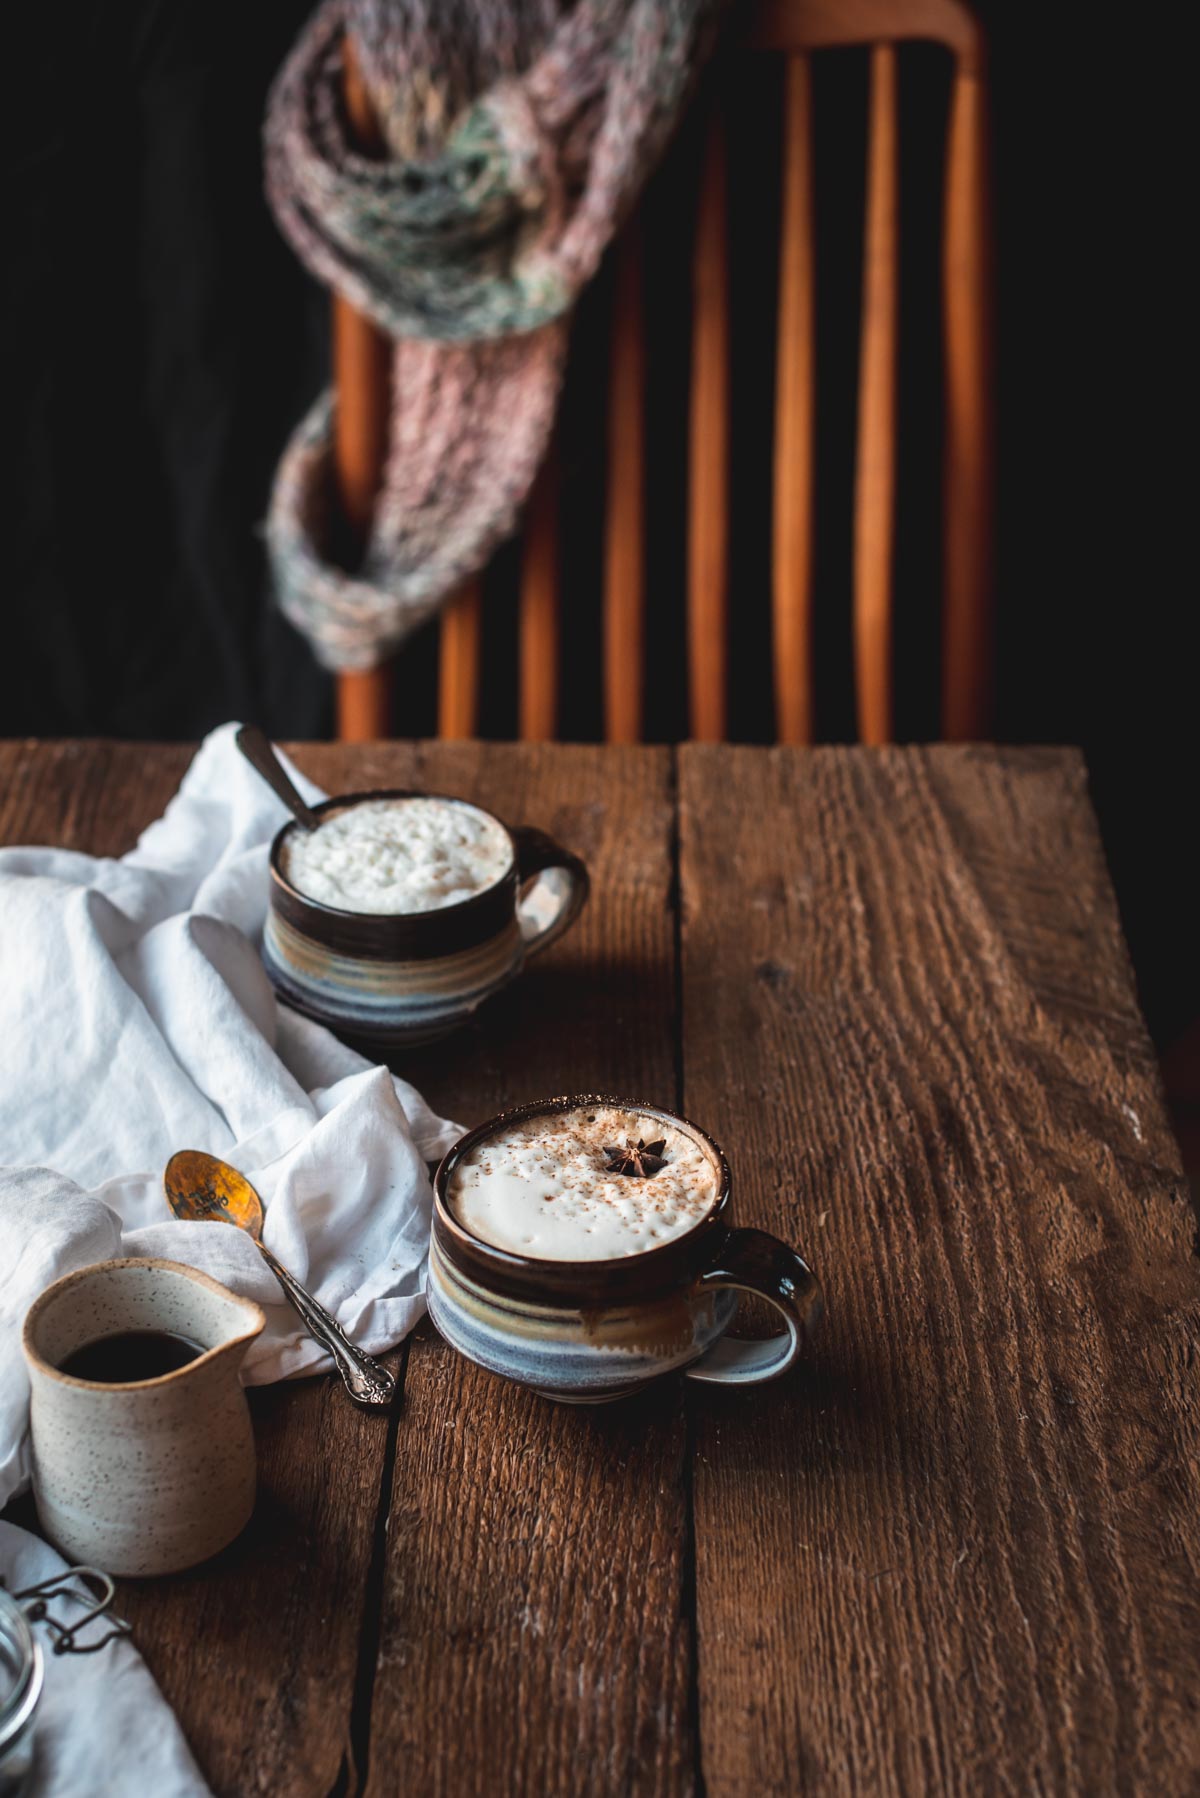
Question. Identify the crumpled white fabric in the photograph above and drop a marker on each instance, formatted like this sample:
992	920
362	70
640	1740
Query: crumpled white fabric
102	1728
136	1019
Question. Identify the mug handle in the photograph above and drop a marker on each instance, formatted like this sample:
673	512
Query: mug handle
538	853
763	1265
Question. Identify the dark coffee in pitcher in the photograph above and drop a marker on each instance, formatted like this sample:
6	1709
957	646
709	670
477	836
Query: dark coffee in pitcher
131	1355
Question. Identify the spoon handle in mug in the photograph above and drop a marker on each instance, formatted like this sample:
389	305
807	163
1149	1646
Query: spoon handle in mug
258	750
365	1380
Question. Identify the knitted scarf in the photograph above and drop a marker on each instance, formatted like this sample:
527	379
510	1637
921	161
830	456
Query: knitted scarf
518	133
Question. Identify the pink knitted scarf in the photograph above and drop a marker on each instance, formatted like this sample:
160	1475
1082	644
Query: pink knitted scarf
518	133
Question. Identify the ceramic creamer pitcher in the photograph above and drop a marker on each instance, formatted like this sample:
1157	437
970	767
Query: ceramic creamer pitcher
157	1474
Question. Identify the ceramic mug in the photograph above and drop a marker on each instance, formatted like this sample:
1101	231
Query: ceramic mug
154	1475
412	976
589	1331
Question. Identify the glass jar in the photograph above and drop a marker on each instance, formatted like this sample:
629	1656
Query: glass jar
21	1674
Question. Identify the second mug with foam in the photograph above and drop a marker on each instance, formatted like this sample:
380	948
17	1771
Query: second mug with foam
582	1246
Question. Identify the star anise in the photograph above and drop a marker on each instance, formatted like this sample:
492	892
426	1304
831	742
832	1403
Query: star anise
647	1158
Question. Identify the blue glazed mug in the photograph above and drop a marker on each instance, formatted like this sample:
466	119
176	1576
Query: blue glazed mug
589	1331
409	977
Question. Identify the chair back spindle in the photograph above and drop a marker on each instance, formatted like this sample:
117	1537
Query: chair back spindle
968	482
362	377
624	523
875	476
459	653
708	448
537	626
795	30
795	418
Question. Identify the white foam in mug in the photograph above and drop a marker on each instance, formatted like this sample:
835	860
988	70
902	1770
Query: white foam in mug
544	1187
388	856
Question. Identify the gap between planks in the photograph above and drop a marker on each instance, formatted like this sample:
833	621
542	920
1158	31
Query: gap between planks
356	1762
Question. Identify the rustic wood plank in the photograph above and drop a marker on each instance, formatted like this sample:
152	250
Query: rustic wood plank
258	1651
960	1551
85	795
534	1632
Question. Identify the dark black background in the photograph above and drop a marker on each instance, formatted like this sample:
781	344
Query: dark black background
162	341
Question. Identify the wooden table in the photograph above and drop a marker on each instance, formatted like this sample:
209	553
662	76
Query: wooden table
960	1551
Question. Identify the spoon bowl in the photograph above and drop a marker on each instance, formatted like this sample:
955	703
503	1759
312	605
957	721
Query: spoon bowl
200	1189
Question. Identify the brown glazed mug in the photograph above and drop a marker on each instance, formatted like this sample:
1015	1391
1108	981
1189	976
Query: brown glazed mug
589	1331
411	976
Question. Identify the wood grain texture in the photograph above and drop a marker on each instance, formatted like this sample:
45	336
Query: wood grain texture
85	795
708	447
960	1552
258	1651
535	1634
795	417
875	472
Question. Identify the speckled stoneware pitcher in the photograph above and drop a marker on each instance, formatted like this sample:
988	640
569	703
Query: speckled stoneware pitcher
154	1475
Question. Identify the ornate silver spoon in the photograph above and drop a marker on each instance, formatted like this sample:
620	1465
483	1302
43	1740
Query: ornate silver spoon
200	1187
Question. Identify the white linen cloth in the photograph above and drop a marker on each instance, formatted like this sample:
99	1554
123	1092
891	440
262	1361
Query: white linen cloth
102	1728
136	1019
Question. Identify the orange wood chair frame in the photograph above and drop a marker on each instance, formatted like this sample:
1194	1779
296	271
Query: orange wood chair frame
793	29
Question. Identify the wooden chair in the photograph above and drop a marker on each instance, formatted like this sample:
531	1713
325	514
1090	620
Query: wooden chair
793	29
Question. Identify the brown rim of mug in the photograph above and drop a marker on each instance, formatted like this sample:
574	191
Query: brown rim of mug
586	1283
342	802
160	1262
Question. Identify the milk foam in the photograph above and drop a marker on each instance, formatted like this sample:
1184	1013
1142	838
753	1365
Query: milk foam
398	855
542	1187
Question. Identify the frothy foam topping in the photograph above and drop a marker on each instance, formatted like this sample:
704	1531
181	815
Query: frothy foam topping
398	855
544	1188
